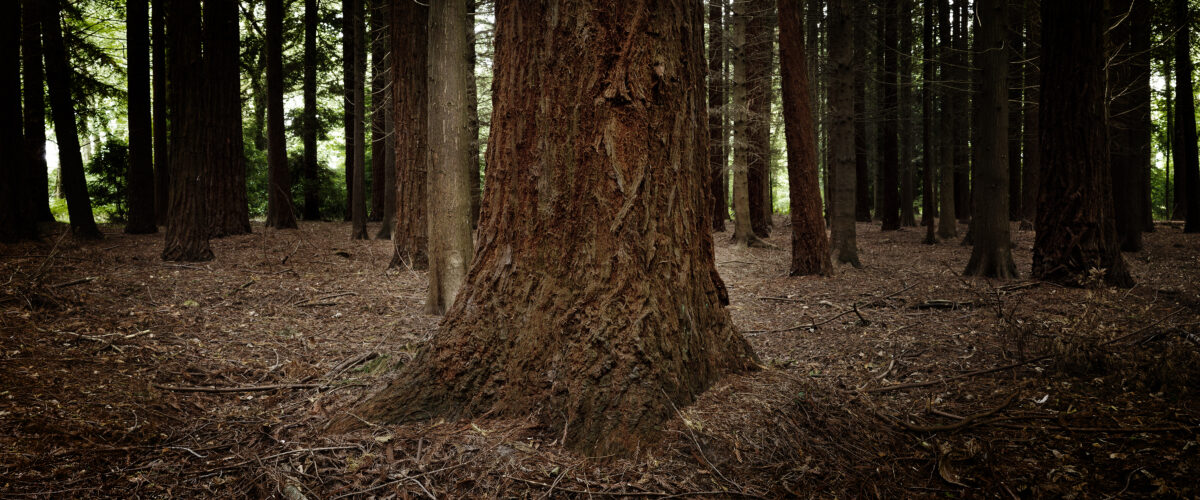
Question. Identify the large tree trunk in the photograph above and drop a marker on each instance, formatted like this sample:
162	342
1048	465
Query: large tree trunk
187	230
409	103
1030	179
810	247
1123	120
717	153
16	217
58	76
1185	122
992	252
862	189
228	209
449	190
1075	231
947	225
1014	47
281	214
140	176
929	155
37	175
358	210
890	213
162	172
312	171
594	304
377	38
759	55
842	131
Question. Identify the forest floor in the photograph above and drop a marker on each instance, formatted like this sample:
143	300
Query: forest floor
124	376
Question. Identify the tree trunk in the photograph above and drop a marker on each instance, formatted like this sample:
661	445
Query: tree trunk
890	213
140	176
1030	180
904	126
348	64
1123	120
992	252
810	247
228	209
843	129
388	147
449	190
1142	138
162	172
58	76
1075	231
281	214
37	175
594	303
947	223
473	117
717	153
1185	122
862	188
743	138
358	210
1014	47
962	117
312	171
409	103
187	231
759	57
928	153
16	207
377	39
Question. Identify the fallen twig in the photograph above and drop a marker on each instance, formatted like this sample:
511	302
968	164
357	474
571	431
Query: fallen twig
853	309
966	421
246	388
316	300
79	281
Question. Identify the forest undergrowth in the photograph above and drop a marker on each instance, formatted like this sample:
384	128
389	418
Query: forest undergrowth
124	376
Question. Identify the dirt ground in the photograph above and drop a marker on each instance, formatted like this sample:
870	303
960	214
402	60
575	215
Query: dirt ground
124	376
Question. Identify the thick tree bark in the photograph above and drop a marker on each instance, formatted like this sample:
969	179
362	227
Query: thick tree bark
281	214
348	64
905	124
377	38
36	174
409	103
16	209
1030	180
947	225
842	130
1076	235
162	172
1185	122
717	153
228	209
312	171
1123	122
992	252
929	161
810	246
759	54
890	208
358	212
58	76
187	230
140	176
604	352
449	190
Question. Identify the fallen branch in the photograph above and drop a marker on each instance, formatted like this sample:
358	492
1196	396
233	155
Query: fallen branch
853	309
966	421
317	300
246	388
79	281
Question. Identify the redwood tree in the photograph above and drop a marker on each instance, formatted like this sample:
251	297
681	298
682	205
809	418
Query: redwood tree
16	217
1076	234
717	153
594	304
37	177
409	102
58	78
187	233
358	205
308	134
377	41
947	225
140	176
842	129
889	210
281	214
810	247
758	53
162	176
227	207
1188	163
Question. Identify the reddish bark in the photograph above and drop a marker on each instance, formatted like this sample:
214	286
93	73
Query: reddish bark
409	32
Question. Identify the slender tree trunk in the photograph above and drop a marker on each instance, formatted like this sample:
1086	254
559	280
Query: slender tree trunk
140	176
1014	46
388	147
449	190
890	216
1123	120
280	212
410	28
1142	138
862	188
1030	172
37	175
717	153
904	17
228	208
929	161
312	172
473	167
162	172
992	251
743	140
58	76
810	247
16	207
1075	231
842	130
187	230
1185	122
641	330
377	40
348	83
947	223
358	212
962	82
759	56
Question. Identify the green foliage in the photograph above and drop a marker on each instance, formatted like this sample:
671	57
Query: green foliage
106	180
